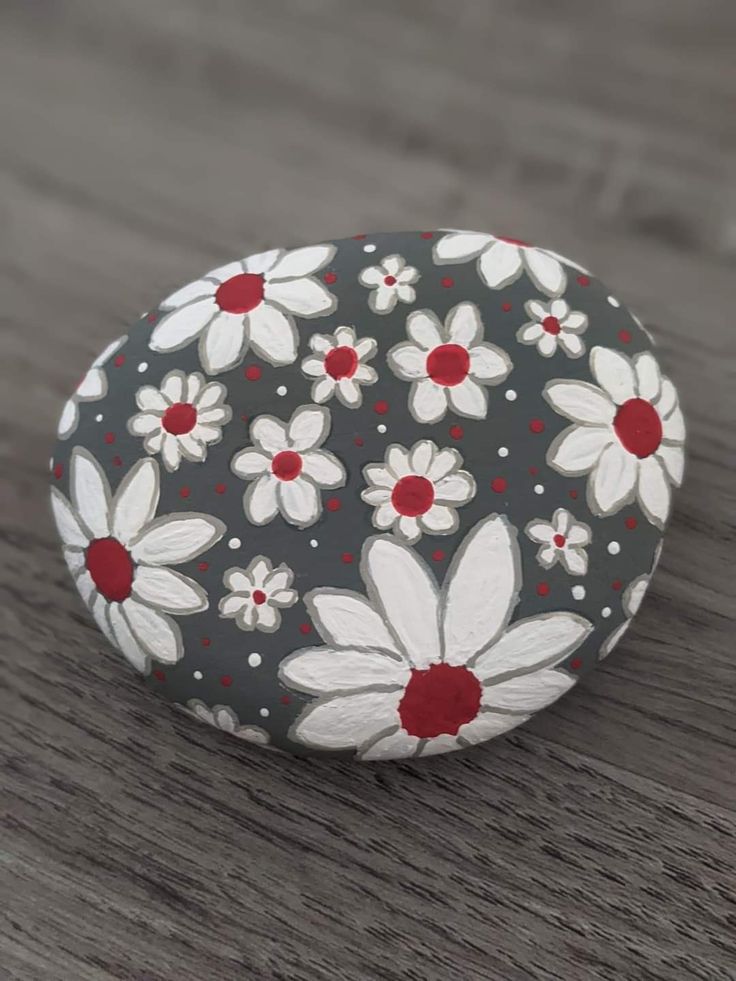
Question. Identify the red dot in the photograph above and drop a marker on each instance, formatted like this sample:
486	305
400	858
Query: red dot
457	432
624	336
542	589
285	700
330	278
286	465
119	361
226	680
573	494
151	318
333	504
616	584
109	438
389	280
506	307
427	234
305	628
584	280
438	555
447	282
184	492
205	642
576	664
220	488
536	426
448	364
241	293
499	485
203	566
259	597
244	418
252	372
159	675
631	523
413	495
179	419
59	471
359	236
347	558
358	440
381	407
533	471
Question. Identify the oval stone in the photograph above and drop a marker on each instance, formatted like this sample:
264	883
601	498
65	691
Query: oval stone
382	497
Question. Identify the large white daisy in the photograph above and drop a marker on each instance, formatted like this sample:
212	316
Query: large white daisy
92	388
628	434
287	468
390	281
251	302
418	490
258	594
563	540
338	366
415	669
448	365
118	553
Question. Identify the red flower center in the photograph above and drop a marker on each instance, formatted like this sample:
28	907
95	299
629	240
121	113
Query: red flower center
341	362
439	700
389	280
111	567
179	418
638	427
559	541
240	293
413	495
551	325
448	364
286	465
259	597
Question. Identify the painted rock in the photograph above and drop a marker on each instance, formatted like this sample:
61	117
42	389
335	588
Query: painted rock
383	497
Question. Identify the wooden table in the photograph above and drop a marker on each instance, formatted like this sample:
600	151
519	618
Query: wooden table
146	140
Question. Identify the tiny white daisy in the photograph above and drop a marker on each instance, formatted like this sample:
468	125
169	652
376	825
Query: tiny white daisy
258	594
390	281
563	539
553	325
338	365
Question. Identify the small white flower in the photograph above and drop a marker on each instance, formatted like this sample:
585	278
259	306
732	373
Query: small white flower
118	553
338	364
92	388
258	594
630	601
287	468
628	434
181	418
502	261
415	669
554	324
247	303
563	540
390	281
223	717
418	490
448	365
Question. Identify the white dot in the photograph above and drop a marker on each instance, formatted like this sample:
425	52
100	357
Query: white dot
51	463
264	713
613	301
381	427
254	659
99	417
314	543
369	248
614	548
503	451
606	611
539	488
282	390
234	543
143	366
510	395
578	592
198	675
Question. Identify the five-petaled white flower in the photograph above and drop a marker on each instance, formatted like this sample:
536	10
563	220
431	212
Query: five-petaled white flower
338	365
118	553
287	467
390	281
628	434
563	539
449	364
554	324
258	594
418	490
223	717
92	388
251	302
415	670
181	418
502	261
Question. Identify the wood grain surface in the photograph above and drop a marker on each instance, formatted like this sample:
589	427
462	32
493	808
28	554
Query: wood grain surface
142	141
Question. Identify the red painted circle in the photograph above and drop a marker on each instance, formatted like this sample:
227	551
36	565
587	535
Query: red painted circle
513	241
631	523
159	675
439	700
286	465
584	280
427	234
179	418
624	336
347	558
536	426
305	628
389	280
573	494
333	504
506	307
184	492
358	440
203	566
543	589
576	664
457	432
499	485
119	361
438	555
111	567
381	408
330	278
448	364
413	495
226	680
240	293
259	597
616	584
109	438
638	427
341	362
205	642
252	373
447	282
220	488
551	325
559	541
59	471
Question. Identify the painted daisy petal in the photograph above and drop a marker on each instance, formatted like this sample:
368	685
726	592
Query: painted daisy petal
424	329
320	670
420	457
299	501
398	745
273	335
545	271
90	493
323	468
614	373
459	246
455	489
579	534
269	434
69	419
439	520
157	633
323	390
486	725
469	399
408	361
673	427
489	363
174	386
539	531
260	502
69	528
144	423
667	398
464	325
169	591
349	393
93	386
149	399
177	538
250	463
580	401
612	640
577	449
487	564
654	491
572	345
383	299
230	606
308	427
371	276
537	642
223	343
198	290
575	321
445	461
500	265
575	561
528	693
126	641
182	325
405	591
302	297
136	500
347	721
648	377
262	262
302	262
673	459
314	367
346	619
613	481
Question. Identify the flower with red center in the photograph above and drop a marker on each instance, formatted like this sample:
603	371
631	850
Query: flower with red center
91	388
251	303
627	434
181	419
416	669
258	594
223	717
563	540
390	281
119	554
449	364
337	364
418	491
502	261
553	326
287	468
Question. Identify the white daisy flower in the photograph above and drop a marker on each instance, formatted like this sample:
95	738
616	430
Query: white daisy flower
502	261
118	553
287	467
630	601
448	365
338	364
258	594
554	324
628	434
223	717
247	303
181	418
416	670
418	490
92	388
390	281
563	539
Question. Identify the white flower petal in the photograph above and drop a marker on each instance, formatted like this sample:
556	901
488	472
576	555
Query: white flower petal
262	262
93	386
308	427
323	390
397	746
489	363
371	276
136	500
230	606
384	516
408	361
301	297
577	449
572	345
408	528
424	329
349	393
540	531
648	376
383	299
654	491
673	458
547	345
613	638
320	670
169	591
613	481
528	693
69	528
171	452
673	427
69	419
313	367
157	633
500	265
269	434
299	501
458	488
177	538
90	493
260	502
150	399
459	246
173	386
125	640
575	321
347	721
420	457
323	468
346	619
223	343
302	262
272	334
198	290
250	463
580	401
634	594
536	642
176	329
445	461
614	373
463	325
469	399
397	461
439	520
144	423
575	561
222	273
667	398
487	725
545	271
